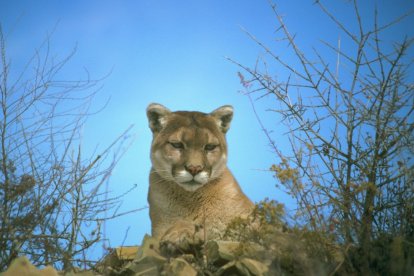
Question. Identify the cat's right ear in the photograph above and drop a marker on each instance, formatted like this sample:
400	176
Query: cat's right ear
157	116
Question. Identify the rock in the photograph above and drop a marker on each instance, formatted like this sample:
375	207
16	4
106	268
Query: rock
282	254
179	267
117	258
149	247
141	269
251	267
148	260
243	267
22	267
237	258
227	269
79	273
220	252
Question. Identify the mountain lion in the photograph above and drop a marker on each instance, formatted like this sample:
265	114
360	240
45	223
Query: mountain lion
192	194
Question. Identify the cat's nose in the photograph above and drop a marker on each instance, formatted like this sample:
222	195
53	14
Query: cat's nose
194	170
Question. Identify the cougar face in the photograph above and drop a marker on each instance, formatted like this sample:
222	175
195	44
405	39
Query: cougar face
189	148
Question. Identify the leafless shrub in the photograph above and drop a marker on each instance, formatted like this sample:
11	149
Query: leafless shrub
351	135
53	200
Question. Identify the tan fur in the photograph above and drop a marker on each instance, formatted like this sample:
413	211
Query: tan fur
185	142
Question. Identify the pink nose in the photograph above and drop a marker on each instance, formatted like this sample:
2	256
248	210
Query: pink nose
193	169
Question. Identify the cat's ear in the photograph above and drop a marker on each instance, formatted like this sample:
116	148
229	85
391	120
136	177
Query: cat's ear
157	116
223	116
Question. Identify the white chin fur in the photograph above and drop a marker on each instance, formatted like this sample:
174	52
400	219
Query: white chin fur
183	176
190	183
191	187
201	178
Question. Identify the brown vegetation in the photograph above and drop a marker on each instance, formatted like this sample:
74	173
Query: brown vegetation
351	133
52	199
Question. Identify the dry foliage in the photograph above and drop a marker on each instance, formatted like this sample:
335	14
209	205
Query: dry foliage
351	124
53	200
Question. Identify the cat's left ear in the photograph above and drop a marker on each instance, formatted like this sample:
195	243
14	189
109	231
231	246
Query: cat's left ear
223	116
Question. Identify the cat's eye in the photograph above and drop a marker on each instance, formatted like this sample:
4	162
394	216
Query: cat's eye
177	145
210	147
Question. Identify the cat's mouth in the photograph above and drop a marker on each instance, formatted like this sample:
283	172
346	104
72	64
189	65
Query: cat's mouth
185	178
191	185
192	182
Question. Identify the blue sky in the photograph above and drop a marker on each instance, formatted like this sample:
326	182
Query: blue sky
173	52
